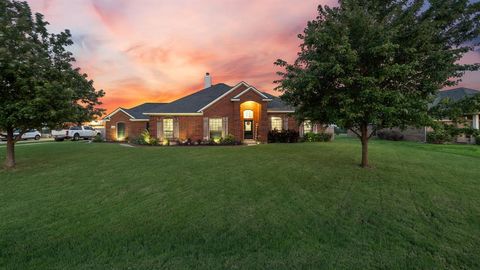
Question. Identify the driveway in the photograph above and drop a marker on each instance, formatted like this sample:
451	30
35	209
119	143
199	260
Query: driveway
42	140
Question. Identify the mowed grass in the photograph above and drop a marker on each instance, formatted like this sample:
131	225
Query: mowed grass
293	206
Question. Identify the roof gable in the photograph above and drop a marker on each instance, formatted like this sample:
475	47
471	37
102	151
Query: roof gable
251	88
136	113
119	109
242	83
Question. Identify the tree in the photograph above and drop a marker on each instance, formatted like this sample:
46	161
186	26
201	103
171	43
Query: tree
38	84
368	65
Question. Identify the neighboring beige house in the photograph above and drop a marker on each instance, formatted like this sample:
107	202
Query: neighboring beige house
473	119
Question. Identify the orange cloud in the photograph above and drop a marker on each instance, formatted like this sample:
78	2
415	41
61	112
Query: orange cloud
157	51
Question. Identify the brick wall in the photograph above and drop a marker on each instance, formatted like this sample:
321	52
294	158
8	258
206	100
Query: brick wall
231	109
191	127
133	129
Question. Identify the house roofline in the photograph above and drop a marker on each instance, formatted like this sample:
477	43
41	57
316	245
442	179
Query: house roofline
224	94
186	114
265	98
116	111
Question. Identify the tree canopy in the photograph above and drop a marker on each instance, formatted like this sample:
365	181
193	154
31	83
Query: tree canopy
39	86
378	63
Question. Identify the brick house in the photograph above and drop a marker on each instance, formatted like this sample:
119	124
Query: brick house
215	111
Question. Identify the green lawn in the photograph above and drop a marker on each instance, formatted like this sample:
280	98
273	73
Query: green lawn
103	206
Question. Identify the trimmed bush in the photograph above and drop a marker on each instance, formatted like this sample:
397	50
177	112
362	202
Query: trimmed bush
317	137
98	139
145	139
154	141
439	136
283	136
228	140
477	139
391	135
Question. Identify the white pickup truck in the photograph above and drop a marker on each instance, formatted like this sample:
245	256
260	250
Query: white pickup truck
75	133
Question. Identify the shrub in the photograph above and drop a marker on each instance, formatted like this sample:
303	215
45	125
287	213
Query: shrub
154	141
283	136
228	140
439	136
145	139
317	137
98	138
391	135
186	142
477	139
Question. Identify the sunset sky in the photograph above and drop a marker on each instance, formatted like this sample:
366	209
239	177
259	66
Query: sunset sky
152	50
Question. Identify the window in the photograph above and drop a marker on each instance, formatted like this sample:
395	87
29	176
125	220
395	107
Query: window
88	128
307	126
168	128
147	126
276	123
248	114
215	126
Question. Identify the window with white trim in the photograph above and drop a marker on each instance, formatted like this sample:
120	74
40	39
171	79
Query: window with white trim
168	128
307	126
215	127
276	123
248	114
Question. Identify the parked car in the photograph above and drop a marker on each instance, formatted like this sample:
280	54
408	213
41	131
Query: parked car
30	134
75	133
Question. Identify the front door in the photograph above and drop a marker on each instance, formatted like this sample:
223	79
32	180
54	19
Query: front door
120	131
248	129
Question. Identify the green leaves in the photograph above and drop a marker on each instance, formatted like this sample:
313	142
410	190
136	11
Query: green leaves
38	84
378	62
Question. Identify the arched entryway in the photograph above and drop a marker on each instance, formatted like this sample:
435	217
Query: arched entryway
250	112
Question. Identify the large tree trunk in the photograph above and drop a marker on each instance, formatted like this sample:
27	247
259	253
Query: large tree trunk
364	139
10	161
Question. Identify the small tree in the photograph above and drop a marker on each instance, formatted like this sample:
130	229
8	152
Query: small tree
38	85
367	65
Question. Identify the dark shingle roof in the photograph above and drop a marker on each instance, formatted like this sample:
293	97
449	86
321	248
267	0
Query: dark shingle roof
194	102
277	104
138	111
454	94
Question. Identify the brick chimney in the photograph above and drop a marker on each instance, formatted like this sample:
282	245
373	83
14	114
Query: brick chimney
208	80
